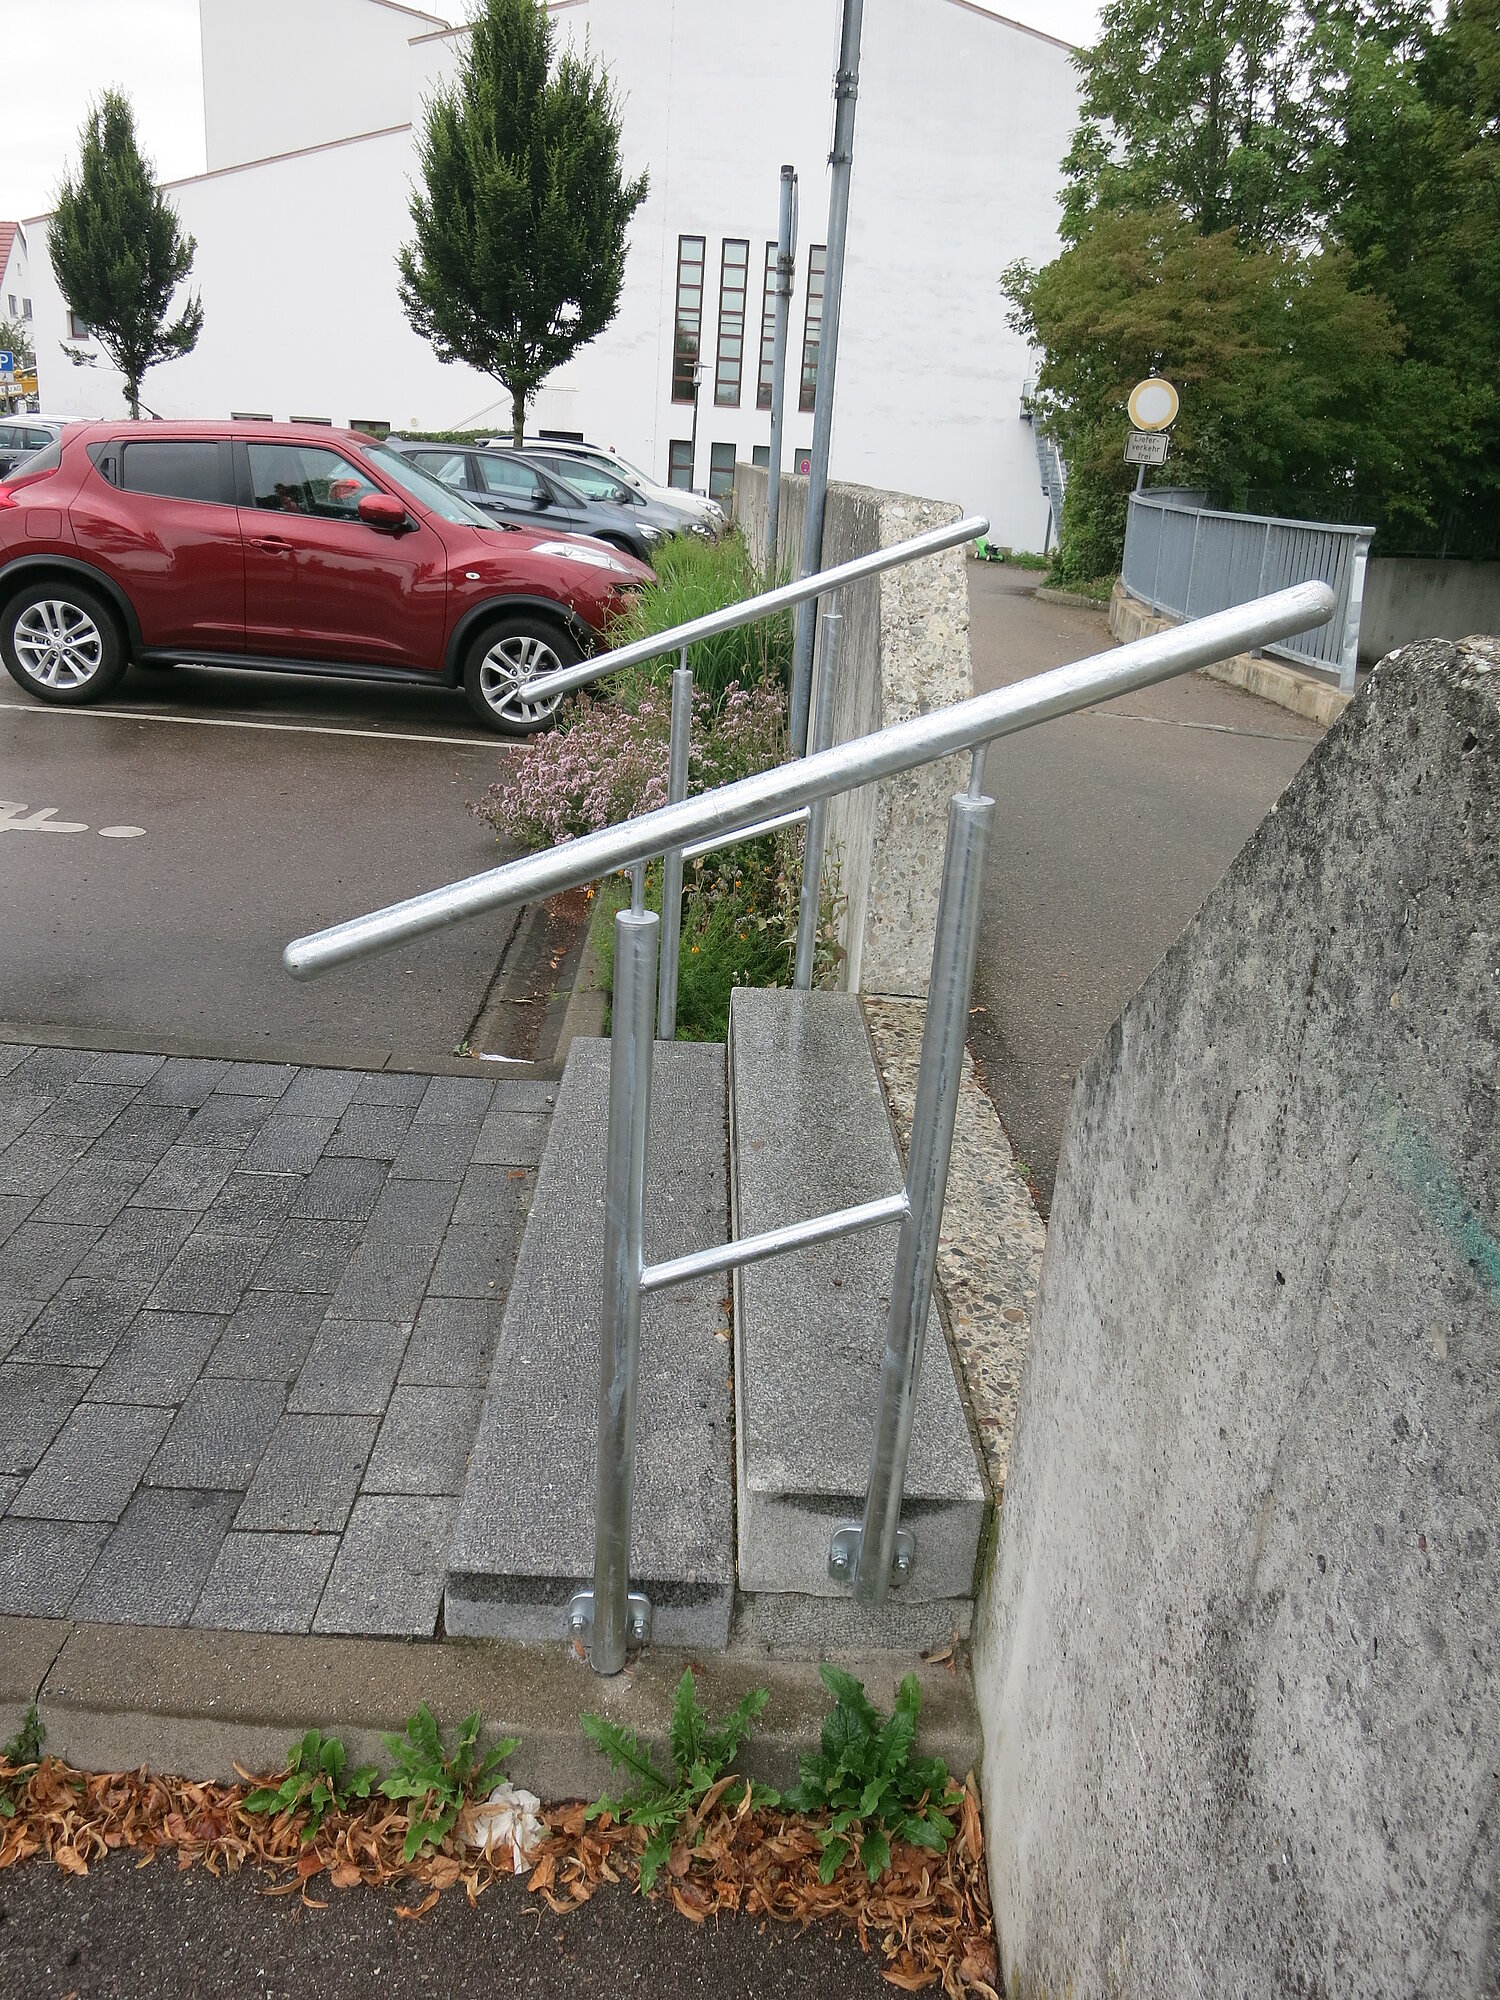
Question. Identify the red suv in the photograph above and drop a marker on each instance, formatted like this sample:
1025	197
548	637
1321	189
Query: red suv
286	548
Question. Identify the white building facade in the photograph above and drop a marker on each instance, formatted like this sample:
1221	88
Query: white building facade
312	112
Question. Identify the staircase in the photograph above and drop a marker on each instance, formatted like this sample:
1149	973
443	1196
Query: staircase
793	1124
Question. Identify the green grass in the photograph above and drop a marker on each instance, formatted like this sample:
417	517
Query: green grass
694	577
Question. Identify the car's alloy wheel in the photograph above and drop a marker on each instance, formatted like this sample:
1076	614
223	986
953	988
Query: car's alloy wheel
58	644
508	666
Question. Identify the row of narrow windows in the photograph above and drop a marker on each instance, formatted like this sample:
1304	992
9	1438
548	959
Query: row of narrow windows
729	353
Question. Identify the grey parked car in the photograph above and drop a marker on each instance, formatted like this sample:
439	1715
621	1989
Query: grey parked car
515	488
597	482
21	436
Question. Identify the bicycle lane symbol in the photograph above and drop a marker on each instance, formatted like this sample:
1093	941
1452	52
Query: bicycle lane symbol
16	817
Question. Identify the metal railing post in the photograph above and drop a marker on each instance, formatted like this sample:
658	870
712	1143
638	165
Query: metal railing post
671	862
971	817
616	1613
786	254
817	813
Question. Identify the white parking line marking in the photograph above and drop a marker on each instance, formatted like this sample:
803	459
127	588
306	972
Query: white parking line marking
121	832
235	722
44	820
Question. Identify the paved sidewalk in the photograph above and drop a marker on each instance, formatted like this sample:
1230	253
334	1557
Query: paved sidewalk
247	1316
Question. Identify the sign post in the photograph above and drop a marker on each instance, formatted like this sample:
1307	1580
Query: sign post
1153	408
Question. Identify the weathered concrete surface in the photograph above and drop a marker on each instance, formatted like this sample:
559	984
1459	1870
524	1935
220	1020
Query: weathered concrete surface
1425	597
903	651
1237	1660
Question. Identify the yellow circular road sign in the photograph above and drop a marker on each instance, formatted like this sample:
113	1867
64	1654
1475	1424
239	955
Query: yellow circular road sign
1153	404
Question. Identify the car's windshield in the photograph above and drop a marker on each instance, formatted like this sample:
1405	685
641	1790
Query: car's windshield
592	479
575	494
443	501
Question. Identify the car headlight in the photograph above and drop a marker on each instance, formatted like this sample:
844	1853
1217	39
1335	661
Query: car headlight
576	552
650	534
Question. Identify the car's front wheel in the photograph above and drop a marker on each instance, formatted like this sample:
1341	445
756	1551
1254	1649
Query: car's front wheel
504	658
61	643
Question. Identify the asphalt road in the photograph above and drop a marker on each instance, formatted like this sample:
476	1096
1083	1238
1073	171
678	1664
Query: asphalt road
128	1933
1112	827
217	816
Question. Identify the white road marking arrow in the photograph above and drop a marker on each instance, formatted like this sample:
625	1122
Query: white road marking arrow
44	820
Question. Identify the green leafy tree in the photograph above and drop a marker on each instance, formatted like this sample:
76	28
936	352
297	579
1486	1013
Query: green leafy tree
15	338
520	223
118	252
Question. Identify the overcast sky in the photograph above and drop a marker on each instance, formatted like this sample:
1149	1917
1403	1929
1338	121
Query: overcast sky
67	51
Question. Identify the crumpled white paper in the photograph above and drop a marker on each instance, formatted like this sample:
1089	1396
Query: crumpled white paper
508	1817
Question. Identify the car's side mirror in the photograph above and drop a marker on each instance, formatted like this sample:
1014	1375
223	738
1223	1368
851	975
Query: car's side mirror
542	498
382	511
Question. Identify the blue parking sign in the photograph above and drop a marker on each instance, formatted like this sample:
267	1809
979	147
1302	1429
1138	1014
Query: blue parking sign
7	362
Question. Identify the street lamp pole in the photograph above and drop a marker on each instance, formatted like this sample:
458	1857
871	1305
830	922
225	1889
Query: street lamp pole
693	447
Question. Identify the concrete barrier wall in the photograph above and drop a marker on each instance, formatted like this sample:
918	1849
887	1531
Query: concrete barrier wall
904	650
1408	598
1239	1657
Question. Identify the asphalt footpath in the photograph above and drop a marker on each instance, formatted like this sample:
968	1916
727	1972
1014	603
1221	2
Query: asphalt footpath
1111	828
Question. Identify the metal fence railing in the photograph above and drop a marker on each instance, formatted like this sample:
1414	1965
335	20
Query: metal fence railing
1191	561
874	1554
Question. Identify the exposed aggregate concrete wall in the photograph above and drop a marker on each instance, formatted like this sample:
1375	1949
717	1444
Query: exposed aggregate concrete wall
1237	1660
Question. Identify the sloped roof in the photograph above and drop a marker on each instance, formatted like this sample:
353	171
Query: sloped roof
7	238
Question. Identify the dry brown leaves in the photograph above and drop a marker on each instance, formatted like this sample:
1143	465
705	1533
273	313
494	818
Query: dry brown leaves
927	1920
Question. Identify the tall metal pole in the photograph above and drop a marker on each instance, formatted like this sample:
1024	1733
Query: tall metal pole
971	817
816	836
671	862
846	92
786	258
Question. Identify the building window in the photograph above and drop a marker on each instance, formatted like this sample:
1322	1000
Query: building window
680	462
812	325
720	471
12	305
327	421
77	329
26	309
760	454
734	281
689	316
375	427
251	417
767	331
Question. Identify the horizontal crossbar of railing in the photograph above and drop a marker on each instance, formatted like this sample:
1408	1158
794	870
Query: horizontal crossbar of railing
1159	501
900	747
791	1236
750	610
757	832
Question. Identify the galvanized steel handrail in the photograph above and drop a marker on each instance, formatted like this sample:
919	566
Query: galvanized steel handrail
899	747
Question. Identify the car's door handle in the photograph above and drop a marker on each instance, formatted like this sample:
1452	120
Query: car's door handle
269	542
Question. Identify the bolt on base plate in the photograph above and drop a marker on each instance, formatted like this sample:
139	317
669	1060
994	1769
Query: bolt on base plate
843	1554
581	1616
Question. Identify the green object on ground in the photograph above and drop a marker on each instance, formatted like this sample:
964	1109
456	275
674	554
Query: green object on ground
435	1785
314	1782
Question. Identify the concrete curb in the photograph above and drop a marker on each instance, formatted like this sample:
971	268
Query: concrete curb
194	1703
1075	598
1129	618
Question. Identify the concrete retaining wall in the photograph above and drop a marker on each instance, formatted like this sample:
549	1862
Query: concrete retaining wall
1239	1659
1129	618
904	651
1408	598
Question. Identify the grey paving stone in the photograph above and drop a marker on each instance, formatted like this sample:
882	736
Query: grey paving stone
514	1138
307	1255
35	1403
139	1245
342	1190
42	1563
54	1069
412	1211
351	1367
218	1436
253	1205
94	1464
321	1093
12	1055
38	1256
230	1117
143	1133
523	1094
84	1111
14	1209
122	1066
189	1176
266	1583
370	1131
462	1100
153	1568
387	1578
390	1086
93	1190
81	1327
286	1145
35	1166
209	1274
19	1110
479	1251
453	1343
309	1474
438	1150
256	1079
15	1316
10	1486
185	1080
424	1441
385	1279
158	1359
268	1337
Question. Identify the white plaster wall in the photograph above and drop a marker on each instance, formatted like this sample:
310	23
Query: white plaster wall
962	123
284	74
